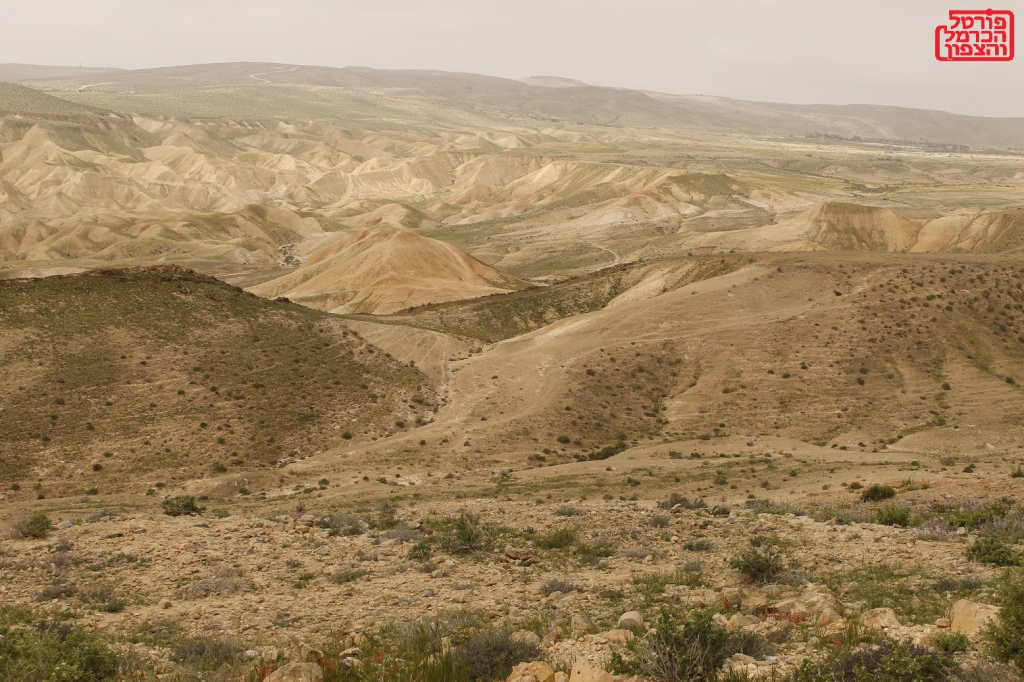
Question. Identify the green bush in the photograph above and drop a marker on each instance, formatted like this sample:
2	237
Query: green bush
892	515
877	493
1006	638
974	518
593	552
759	564
462	534
341	524
684	647
420	551
556	539
887	662
683	502
609	451
342	577
951	642
454	647
204	653
557	585
181	506
55	651
989	549
37	526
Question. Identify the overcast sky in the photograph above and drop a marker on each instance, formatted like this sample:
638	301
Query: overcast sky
800	51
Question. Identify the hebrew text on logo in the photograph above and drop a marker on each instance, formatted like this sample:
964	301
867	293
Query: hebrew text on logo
975	35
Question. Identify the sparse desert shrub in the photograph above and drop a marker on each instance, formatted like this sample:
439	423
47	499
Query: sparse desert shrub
420	551
55	651
1006	638
36	526
951	642
655	583
697	545
455	647
877	492
557	585
683	502
659	521
569	511
609	451
204	652
182	505
759	564
342	577
892	515
683	647
491	654
888	662
559	538
593	552
462	534
1018	472
973	516
989	549
770	507
341	524
226	582
104	596
57	590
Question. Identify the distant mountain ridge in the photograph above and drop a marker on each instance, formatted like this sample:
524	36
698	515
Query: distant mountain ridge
536	99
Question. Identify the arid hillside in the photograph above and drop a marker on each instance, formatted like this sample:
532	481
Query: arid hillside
383	268
114	380
345	375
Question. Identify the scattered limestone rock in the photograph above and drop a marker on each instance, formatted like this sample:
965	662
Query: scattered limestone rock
878	619
526	637
535	671
969	616
631	619
827	617
584	671
740	621
618	636
296	672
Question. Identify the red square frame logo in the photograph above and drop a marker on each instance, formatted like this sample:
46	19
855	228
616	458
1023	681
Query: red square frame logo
975	35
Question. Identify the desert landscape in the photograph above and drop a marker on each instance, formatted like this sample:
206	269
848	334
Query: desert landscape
329	374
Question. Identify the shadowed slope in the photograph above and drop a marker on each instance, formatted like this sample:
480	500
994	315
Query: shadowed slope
167	369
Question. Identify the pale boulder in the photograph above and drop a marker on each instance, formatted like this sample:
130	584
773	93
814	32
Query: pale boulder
535	671
877	619
631	619
296	672
969	617
582	671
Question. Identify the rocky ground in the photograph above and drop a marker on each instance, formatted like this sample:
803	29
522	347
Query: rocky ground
578	577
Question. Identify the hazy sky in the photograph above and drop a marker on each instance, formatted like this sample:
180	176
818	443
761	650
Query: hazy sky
801	51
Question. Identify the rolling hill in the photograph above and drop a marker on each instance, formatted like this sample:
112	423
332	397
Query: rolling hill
384	268
116	378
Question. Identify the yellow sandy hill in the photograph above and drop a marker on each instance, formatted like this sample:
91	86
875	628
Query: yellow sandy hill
851	227
838	226
385	268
